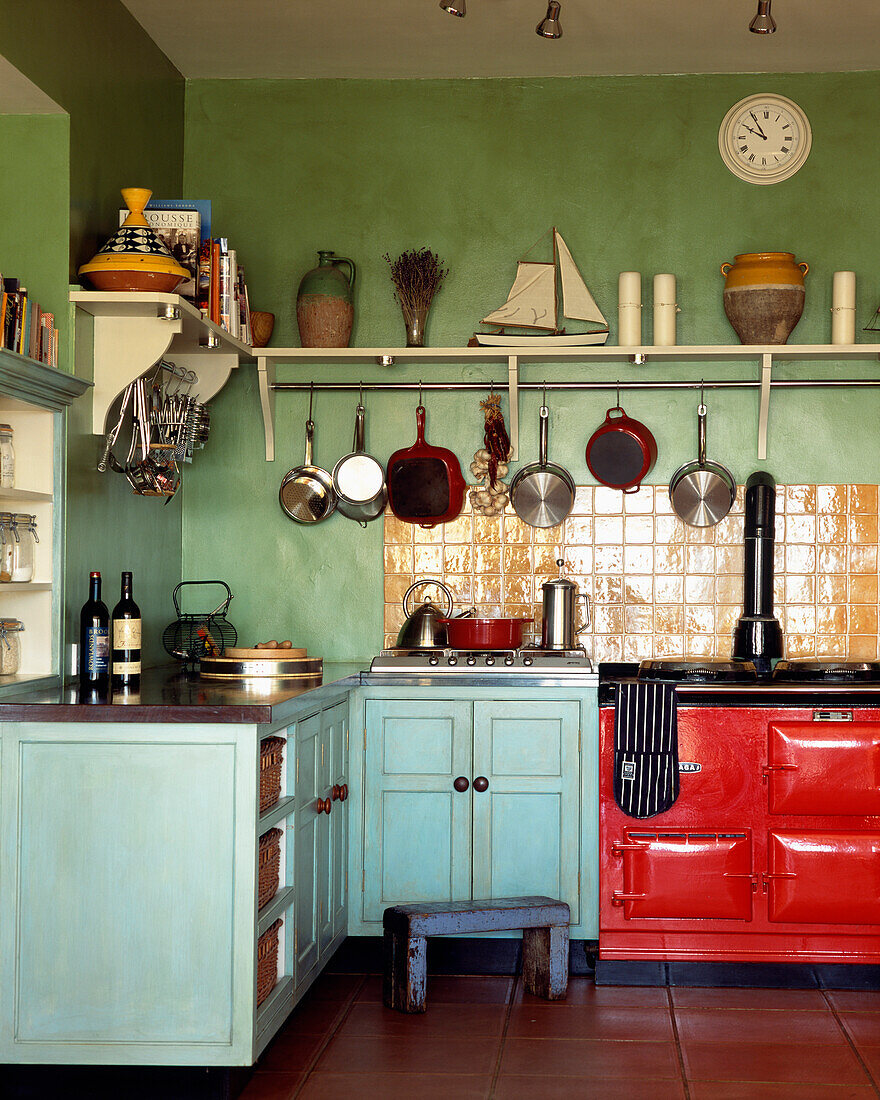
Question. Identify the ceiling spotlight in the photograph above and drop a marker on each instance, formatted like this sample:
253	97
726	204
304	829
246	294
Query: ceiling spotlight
549	26
454	7
763	23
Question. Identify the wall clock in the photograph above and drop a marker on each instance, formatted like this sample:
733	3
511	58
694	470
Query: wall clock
764	138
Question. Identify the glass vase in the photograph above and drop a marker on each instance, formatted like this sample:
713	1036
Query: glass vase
415	319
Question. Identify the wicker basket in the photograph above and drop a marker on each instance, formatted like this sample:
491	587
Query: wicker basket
271	756
269	864
267	961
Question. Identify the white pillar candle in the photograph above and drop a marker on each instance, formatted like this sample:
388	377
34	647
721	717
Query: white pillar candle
629	309
665	309
843	308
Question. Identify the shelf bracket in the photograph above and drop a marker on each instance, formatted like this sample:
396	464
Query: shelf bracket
513	402
211	369
764	412
266	380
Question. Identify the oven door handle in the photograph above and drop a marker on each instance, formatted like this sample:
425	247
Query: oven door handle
618	898
619	849
768	768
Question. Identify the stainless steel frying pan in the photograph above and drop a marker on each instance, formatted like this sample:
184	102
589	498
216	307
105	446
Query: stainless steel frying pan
359	479
307	494
702	492
542	493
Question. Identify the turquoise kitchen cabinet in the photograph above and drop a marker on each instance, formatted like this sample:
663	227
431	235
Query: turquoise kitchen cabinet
524	824
128	864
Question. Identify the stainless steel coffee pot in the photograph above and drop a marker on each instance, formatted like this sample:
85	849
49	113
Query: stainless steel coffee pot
558	630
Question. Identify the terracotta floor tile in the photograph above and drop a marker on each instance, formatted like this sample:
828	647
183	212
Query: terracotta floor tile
400	1054
864	1027
747	1090
585	1058
290	1051
693	997
580	1088
583	991
590	1022
855	1000
738	1025
396	1086
272	1086
871	1057
312	1017
446	989
335	987
824	1064
441	1020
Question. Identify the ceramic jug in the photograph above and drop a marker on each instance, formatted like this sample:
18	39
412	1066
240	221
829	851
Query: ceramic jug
325	303
764	295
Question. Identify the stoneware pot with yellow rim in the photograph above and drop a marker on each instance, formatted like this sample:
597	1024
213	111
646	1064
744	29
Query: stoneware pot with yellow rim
764	295
134	258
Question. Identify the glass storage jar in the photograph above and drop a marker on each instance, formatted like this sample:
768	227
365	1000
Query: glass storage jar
7	457
7	544
10	646
24	540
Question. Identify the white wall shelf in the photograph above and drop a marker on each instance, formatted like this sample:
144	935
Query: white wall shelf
762	356
24	494
134	330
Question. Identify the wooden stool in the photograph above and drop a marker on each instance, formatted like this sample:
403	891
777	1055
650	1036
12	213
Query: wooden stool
544	922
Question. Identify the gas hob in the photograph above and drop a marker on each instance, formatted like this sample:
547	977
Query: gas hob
466	662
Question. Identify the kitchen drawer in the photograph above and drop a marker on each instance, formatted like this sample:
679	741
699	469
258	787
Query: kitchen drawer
685	875
824	877
821	768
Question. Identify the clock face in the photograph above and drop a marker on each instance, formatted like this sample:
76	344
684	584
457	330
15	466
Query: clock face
764	138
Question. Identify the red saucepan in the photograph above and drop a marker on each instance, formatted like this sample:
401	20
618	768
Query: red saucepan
621	451
465	633
425	484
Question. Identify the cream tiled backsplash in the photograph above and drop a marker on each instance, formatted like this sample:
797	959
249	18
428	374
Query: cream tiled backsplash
659	588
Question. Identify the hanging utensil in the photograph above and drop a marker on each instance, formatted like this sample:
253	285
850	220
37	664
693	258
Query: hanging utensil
359	478
307	494
702	492
621	451
542	493
425	483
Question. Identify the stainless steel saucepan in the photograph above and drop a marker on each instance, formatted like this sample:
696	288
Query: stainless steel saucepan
307	494
542	493
359	479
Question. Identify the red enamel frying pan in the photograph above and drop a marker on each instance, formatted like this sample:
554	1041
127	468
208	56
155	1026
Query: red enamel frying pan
425	484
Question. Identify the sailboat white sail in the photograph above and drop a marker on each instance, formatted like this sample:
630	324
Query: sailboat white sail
533	304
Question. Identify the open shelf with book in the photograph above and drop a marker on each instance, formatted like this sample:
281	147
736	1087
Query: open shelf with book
133	330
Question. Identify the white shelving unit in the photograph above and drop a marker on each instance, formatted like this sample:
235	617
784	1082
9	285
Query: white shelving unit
133	331
32	399
762	356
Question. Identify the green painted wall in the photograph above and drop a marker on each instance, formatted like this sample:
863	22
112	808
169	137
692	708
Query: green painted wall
629	170
124	102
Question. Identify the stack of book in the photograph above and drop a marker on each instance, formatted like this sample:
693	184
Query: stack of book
24	327
217	283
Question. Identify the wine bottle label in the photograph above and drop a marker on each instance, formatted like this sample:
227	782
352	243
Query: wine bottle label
98	651
126	668
126	634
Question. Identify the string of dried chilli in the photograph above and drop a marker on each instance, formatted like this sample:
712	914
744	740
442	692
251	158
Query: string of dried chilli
495	436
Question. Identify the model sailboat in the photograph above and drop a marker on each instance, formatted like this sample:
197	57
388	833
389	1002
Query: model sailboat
533	304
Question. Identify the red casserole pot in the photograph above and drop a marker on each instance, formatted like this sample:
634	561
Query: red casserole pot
425	484
621	451
484	633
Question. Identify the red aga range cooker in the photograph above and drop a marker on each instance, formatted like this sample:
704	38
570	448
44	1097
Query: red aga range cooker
771	852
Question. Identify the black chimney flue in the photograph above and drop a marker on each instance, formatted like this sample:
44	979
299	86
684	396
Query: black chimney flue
757	636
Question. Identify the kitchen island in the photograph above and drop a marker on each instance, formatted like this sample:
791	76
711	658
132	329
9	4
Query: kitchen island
130	843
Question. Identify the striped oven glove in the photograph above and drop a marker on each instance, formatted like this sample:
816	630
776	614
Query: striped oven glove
645	748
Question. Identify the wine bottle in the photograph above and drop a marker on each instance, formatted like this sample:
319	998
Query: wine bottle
126	633
94	638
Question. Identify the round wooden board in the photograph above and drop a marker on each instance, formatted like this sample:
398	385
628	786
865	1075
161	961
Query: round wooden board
263	654
244	667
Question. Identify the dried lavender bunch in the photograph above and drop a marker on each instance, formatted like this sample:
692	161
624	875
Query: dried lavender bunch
417	275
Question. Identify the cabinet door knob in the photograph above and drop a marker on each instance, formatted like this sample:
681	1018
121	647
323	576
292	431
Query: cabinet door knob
343	792
461	784
323	806
336	793
481	783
